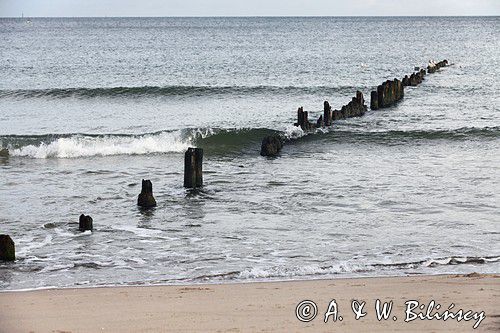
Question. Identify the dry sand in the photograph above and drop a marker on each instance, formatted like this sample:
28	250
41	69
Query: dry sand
251	307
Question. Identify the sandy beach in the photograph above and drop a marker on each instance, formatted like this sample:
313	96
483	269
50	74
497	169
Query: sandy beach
255	307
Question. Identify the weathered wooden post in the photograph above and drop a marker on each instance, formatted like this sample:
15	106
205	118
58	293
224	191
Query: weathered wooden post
380	95
146	198
360	97
7	248
300	117
193	168
401	90
320	123
327	114
336	115
406	81
85	223
271	145
374	100
4	152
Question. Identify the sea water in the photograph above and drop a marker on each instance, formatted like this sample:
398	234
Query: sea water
90	106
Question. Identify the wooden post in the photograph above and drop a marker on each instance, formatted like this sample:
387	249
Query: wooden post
406	81
7	248
359	97
300	117
327	114
271	145
374	100
380	95
193	168
4	152
320	123
86	223
146	198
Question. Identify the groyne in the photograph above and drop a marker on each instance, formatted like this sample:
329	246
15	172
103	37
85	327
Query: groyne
386	95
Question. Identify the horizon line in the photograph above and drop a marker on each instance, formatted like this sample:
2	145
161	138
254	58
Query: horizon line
247	16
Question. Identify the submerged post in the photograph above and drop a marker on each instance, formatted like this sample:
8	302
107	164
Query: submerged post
146	199
85	223
7	248
193	168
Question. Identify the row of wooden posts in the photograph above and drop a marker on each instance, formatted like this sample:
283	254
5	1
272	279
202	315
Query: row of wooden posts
387	94
193	178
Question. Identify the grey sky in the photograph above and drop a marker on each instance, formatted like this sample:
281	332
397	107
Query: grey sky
247	7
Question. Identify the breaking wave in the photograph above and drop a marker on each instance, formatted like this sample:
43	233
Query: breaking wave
214	140
86	145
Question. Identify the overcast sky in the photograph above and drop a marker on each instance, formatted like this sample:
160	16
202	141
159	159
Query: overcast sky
247	7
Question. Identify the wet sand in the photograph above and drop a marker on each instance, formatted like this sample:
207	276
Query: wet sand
255	307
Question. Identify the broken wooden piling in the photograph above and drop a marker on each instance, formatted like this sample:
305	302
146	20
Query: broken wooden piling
146	198
433	67
193	168
271	145
85	223
327	114
7	248
387	94
303	120
4	152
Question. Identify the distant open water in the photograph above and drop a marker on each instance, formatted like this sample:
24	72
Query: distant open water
89	107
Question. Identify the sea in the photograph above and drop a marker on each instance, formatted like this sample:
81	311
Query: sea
91	106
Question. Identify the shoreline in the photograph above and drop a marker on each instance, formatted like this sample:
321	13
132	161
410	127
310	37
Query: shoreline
248	281
252	306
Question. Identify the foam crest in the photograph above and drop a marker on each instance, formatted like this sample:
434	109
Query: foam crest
293	132
85	146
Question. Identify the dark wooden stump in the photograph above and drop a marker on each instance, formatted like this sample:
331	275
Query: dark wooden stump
374	100
319	122
300	117
327	114
193	168
406	81
146	198
85	223
336	115
271	145
380	95
7	248
360	98
4	152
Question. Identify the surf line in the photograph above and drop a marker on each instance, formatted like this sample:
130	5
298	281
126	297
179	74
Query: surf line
387	94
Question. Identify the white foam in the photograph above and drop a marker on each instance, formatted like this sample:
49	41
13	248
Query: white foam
293	132
307	270
29	244
85	146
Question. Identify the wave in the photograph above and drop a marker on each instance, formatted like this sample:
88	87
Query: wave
81	145
213	140
172	91
346	267
408	136
460	261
